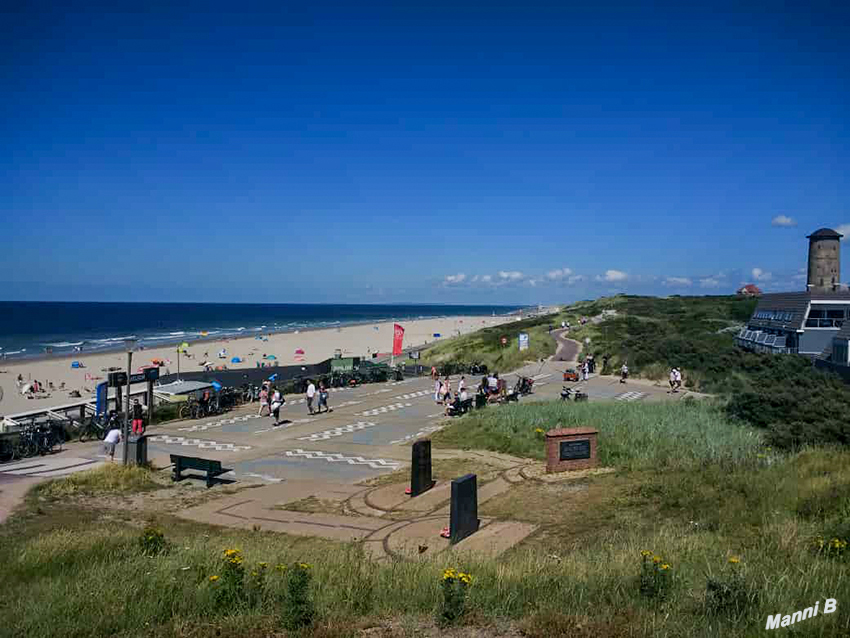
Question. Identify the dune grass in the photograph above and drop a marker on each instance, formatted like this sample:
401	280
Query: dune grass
690	487
112	478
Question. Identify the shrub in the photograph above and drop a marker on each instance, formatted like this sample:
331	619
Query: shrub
729	595
455	586
152	541
656	576
230	586
298	608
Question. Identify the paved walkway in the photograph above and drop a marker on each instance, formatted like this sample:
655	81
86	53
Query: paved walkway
368	433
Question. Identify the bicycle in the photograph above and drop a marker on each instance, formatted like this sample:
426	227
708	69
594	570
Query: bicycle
97	427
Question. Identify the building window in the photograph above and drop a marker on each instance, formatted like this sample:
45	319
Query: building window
835	314
816	314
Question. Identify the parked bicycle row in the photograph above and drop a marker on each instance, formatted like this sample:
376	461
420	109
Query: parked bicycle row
33	440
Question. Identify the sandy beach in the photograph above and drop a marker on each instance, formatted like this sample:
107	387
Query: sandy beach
318	345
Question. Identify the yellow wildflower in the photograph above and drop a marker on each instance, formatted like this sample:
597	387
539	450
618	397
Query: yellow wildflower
665	566
263	565
304	565
213	579
734	560
656	559
539	430
645	553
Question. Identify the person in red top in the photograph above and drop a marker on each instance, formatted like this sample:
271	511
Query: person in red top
138	419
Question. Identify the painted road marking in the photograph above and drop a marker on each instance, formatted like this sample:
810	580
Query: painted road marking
387	408
343	429
414	395
375	464
630	396
199	443
201	427
422	432
283	426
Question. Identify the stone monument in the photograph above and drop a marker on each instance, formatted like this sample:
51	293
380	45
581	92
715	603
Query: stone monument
570	449
420	468
464	510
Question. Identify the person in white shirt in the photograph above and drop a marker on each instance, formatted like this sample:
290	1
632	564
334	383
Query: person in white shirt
113	437
678	379
672	379
461	385
311	392
463	395
276	402
437	386
624	373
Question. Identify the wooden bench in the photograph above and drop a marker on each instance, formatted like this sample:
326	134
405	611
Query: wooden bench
212	468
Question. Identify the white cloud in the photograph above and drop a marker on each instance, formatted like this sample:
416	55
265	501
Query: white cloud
709	282
574	279
761	275
783	220
559	273
615	275
844	229
486	279
454	280
677	281
510	275
533	282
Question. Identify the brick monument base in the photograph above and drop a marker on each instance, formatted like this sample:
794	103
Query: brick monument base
570	449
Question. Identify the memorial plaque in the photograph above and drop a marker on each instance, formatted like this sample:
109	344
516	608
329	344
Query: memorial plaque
571	450
464	510
420	468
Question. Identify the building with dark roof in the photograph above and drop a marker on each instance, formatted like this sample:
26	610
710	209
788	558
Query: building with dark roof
806	322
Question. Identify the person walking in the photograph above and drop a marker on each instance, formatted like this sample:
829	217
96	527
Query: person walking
461	385
672	380
585	369
323	397
138	419
678	379
437	386
276	401
311	393
264	400
624	373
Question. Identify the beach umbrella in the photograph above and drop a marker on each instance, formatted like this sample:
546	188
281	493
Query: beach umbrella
76	364
272	357
27	387
299	351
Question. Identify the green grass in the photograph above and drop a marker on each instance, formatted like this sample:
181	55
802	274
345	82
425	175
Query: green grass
690	486
792	402
107	479
485	346
650	435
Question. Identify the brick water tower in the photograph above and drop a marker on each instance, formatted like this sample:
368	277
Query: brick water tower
824	260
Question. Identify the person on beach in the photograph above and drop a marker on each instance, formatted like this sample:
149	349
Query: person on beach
311	393
277	401
323	397
138	418
264	400
113	437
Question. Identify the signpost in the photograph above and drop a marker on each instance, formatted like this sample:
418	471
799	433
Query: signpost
523	341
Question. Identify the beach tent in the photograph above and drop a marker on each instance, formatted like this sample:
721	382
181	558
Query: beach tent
299	351
76	364
26	388
272	357
236	360
437	335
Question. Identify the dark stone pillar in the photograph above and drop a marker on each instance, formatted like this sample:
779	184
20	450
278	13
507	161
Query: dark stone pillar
420	468
464	510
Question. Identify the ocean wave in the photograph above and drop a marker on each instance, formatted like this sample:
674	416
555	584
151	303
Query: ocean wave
63	344
114	339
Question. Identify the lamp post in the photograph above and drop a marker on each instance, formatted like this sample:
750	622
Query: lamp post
130	344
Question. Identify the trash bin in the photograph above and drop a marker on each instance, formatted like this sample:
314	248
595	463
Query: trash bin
137	450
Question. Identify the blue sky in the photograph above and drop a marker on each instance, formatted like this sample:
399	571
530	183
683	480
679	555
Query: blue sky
418	152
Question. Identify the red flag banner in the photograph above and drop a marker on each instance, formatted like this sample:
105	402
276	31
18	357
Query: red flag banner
398	336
